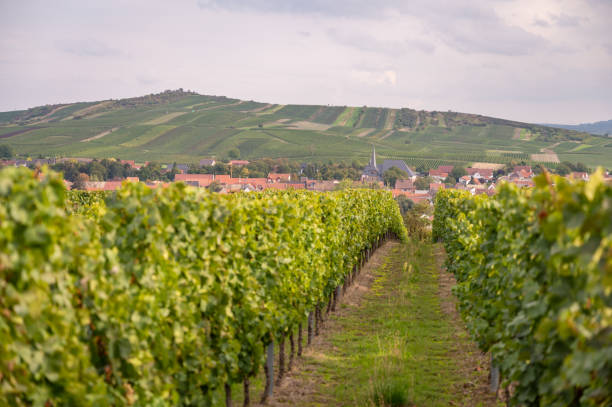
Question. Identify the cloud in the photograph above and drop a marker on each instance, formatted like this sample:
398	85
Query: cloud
320	7
481	56
539	22
490	38
564	20
88	48
386	77
368	43
472	27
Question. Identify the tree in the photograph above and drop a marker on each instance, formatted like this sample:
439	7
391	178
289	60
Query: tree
392	175
97	171
457	173
151	172
234	153
80	182
580	167
220	168
344	184
6	151
450	180
215	186
538	169
499	173
243	172
422	183
423	168
563	169
404	203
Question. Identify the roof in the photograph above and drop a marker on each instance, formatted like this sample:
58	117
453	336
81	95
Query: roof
518	168
484	172
207	161
446	168
412	196
250	181
203	180
238	162
579	175
181	167
102	185
282	177
223	178
387	164
523	183
438	173
193	177
404	184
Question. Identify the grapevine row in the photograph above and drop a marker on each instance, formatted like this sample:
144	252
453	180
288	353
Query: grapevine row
534	282
168	296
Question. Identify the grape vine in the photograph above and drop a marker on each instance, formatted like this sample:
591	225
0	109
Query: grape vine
163	297
534	273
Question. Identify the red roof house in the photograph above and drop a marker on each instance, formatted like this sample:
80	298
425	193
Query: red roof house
274	177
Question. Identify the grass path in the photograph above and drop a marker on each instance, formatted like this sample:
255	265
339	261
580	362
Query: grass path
396	337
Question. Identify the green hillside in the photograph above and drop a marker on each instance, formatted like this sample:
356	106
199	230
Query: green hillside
184	127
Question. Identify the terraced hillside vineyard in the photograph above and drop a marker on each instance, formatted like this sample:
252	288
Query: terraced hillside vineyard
534	272
164	297
179	126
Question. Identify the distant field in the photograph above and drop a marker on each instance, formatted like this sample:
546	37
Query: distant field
184	127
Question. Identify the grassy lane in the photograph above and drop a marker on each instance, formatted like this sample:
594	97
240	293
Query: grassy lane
396	341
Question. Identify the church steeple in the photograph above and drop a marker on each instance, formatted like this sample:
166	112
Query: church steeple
373	158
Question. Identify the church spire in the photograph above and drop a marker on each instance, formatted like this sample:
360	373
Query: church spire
373	158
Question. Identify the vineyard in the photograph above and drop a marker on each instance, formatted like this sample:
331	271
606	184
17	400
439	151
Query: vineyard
166	296
534	273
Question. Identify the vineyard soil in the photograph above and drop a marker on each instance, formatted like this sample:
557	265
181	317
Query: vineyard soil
396	330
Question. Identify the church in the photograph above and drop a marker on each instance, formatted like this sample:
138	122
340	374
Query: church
374	172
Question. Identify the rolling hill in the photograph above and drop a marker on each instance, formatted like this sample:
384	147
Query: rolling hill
180	126
601	128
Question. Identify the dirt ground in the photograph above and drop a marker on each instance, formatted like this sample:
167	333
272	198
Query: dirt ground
304	384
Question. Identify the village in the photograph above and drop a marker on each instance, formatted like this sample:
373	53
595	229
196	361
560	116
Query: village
480	178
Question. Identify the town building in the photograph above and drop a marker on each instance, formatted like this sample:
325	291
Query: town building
374	172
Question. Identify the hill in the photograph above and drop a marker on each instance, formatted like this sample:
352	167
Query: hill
182	126
601	128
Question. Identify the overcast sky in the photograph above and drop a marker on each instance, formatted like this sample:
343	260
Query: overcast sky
528	60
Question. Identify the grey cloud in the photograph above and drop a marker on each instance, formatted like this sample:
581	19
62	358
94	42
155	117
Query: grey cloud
468	28
371	44
541	23
564	20
322	7
492	39
304	33
88	48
